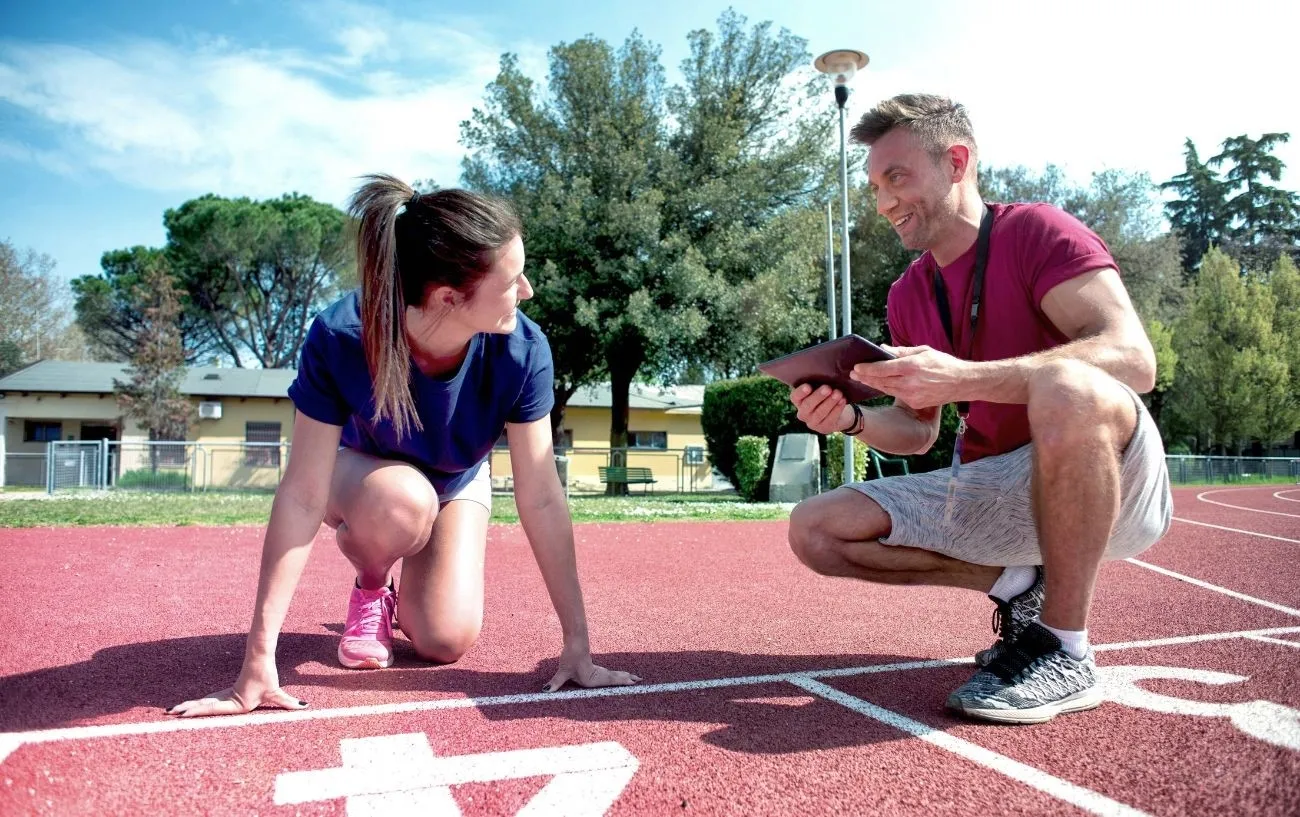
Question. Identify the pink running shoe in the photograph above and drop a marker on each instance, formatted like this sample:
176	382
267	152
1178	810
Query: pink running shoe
368	638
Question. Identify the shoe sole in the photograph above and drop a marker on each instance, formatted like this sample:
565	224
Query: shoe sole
363	663
1078	702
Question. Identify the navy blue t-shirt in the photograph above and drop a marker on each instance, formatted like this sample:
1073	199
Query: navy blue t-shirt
504	378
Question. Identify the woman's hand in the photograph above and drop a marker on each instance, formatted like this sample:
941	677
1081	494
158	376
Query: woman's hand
258	685
576	666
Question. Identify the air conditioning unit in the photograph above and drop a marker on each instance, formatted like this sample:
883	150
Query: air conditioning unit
209	410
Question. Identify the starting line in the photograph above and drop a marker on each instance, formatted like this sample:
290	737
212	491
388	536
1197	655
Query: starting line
11	741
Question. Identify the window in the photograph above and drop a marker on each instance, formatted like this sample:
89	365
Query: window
262	456
647	439
174	455
35	431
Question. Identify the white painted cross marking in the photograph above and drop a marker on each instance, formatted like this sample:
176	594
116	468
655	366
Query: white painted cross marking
1270	722
396	775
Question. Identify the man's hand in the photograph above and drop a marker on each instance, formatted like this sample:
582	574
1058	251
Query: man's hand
824	410
920	376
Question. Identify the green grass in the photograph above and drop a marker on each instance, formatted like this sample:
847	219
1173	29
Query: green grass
132	508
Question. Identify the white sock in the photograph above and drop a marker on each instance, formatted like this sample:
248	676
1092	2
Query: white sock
1013	581
1074	642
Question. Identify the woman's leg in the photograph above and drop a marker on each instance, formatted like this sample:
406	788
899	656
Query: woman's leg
381	511
441	605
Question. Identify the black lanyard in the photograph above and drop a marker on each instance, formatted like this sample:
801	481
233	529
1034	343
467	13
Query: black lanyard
941	295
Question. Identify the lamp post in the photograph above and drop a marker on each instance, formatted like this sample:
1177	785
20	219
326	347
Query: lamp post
840	66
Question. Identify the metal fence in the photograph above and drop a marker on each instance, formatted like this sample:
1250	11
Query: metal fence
26	470
1191	468
245	466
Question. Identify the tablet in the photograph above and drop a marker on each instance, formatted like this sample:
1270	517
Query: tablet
829	364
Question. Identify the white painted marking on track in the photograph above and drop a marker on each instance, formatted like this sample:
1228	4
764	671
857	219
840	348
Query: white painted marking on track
1085	799
1265	720
10	741
400	775
1278	495
1202	497
1282	641
1225	591
1237	530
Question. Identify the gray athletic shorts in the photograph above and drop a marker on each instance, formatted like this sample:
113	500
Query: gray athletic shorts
990	520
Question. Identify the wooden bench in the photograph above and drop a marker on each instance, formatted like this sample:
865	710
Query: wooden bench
620	475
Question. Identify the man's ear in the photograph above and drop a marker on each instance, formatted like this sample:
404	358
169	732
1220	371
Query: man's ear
959	157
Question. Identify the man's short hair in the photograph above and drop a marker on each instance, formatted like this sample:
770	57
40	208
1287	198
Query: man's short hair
936	120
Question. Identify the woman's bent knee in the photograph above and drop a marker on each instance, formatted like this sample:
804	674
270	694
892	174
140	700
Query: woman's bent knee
445	647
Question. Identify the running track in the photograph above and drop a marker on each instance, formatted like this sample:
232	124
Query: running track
767	691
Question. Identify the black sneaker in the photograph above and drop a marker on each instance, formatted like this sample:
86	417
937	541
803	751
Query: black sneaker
1010	618
1032	681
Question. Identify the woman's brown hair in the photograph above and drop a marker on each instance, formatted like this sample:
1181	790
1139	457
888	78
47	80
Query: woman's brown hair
407	244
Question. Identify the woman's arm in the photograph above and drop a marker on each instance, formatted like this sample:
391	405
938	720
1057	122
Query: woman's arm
544	513
296	515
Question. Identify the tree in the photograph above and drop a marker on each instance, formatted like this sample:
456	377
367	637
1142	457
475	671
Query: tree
35	322
257	272
1230	366
1284	416
251	275
877	259
1200	216
108	312
151	396
667	228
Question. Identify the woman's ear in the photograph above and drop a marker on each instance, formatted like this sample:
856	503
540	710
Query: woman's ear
445	297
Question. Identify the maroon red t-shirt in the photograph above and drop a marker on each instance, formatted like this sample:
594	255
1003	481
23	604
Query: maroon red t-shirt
1033	248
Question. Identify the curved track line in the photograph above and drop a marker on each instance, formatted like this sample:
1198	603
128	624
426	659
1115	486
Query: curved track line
1237	530
1278	495
1202	497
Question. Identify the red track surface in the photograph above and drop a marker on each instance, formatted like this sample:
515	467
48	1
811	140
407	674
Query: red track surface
742	710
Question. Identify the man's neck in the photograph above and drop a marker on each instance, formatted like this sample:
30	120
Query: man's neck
963	232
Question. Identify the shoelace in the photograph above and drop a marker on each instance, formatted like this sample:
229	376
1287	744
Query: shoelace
1020	654
372	615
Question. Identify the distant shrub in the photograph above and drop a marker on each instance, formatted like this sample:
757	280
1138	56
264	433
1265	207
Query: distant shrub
751	464
155	480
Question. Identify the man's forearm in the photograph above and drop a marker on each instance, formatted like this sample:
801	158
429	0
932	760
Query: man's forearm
1007	381
895	430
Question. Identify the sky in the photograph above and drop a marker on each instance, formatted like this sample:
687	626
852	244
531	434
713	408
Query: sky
111	111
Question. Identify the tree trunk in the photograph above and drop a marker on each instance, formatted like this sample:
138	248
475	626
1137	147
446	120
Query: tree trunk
621	371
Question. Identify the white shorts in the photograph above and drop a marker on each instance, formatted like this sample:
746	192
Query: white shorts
478	489
989	518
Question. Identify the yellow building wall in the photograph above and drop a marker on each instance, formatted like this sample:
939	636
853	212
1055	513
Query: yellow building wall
218	461
590	427
221	461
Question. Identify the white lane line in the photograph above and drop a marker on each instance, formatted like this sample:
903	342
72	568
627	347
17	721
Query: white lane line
1202	497
1237	530
1288	498
1086	799
1282	641
1225	591
12	740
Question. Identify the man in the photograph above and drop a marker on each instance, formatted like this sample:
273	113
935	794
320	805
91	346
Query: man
1060	466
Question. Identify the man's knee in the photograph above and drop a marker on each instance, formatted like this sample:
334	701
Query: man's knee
1071	402
820	527
811	544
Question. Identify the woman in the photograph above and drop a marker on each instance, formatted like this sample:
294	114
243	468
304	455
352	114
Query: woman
402	392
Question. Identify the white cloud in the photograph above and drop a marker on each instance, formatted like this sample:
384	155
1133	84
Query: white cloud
209	116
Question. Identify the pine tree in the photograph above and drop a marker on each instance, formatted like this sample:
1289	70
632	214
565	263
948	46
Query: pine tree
152	395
